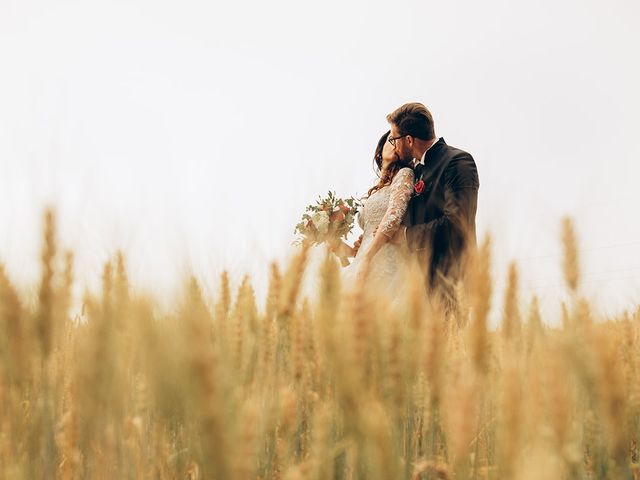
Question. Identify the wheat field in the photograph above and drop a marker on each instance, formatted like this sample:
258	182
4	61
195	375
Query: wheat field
340	385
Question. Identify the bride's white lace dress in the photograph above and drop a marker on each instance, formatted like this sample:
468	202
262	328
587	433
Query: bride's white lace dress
384	210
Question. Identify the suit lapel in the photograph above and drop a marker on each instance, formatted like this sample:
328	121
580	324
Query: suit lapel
431	165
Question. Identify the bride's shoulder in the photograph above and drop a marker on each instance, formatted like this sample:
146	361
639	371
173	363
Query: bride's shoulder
406	172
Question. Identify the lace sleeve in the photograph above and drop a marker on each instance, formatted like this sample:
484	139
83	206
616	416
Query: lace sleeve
401	190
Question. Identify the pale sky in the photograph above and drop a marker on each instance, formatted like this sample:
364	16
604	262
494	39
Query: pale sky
193	134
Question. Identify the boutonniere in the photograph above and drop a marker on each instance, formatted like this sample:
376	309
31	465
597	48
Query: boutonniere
419	187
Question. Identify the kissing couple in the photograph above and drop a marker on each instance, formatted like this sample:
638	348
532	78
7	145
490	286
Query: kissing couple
422	210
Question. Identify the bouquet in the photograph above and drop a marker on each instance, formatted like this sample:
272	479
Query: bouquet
329	221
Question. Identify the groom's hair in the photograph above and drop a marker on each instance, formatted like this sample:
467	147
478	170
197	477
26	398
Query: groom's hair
413	119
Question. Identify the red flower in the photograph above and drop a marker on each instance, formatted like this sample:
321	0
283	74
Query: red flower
419	187
337	216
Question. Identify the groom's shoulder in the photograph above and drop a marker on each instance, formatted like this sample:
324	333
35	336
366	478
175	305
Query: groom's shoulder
461	167
458	158
455	152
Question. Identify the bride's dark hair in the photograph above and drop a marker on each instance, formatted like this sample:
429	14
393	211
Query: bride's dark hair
391	171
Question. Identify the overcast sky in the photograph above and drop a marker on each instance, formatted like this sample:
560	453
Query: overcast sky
193	134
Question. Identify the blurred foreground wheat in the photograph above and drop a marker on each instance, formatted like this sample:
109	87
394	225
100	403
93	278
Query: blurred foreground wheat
339	386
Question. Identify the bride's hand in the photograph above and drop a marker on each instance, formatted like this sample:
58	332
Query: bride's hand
341	249
356	245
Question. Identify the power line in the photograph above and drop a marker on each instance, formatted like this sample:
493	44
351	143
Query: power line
586	274
580	250
592	281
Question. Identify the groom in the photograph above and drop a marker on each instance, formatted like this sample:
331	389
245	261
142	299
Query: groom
439	225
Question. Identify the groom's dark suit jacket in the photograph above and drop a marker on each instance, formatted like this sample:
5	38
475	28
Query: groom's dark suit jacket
441	221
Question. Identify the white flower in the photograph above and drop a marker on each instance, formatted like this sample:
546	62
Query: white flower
321	221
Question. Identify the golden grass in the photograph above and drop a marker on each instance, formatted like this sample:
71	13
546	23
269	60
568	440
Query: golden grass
339	386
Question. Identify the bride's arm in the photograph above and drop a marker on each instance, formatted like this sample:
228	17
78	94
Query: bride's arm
401	190
341	249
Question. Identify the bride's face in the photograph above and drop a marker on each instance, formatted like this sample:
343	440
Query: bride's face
388	154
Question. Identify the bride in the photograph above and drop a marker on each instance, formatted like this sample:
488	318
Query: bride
377	259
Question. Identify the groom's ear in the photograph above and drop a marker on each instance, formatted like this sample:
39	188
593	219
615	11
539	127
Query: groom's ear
410	141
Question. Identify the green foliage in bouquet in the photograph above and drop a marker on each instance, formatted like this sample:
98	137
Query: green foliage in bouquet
329	220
